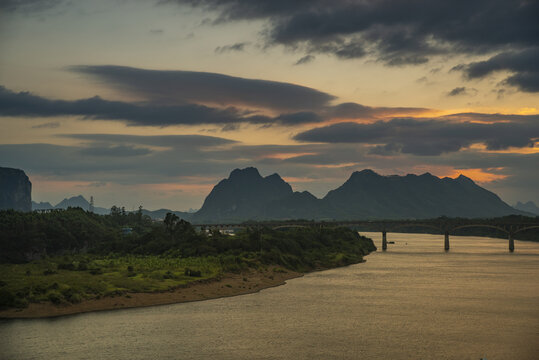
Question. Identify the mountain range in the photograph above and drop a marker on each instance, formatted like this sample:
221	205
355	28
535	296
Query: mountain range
75	201
246	195
80	201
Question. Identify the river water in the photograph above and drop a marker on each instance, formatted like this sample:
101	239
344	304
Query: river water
412	302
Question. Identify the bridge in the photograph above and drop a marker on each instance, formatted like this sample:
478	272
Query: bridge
445	226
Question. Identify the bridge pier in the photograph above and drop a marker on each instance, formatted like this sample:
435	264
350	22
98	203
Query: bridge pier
384	241
511	243
446	241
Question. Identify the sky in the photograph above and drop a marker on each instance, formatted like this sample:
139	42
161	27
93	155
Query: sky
153	102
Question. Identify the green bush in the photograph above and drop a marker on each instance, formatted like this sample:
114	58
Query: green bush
7	299
55	297
193	273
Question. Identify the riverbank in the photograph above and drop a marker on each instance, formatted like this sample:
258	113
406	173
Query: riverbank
162	268
229	284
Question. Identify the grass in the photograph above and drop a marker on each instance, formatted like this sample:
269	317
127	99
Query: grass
81	277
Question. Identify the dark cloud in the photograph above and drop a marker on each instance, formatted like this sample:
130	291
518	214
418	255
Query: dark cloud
231	48
47	125
396	32
115	151
28	6
298	118
523	64
305	60
457	91
169	141
96	108
425	137
140	114
156	31
462	90
176	87
352	110
157	114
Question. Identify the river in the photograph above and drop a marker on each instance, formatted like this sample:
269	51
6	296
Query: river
412	302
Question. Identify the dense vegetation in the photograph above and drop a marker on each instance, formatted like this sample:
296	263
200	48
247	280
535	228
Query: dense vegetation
72	255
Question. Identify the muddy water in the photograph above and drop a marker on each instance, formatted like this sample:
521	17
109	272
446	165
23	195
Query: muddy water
412	302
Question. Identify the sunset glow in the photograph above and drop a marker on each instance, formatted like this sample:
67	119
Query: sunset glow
171	98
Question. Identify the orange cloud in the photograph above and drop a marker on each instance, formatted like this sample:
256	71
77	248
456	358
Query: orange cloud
283	156
335	166
298	179
479	175
512	150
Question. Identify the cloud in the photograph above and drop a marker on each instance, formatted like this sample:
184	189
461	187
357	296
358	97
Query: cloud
47	125
140	114
116	158
231	48
490	118
178	87
156	31
96	108
523	64
457	91
305	60
425	137
154	113
395	32
177	159
114	151
169	141
462	90
351	110
28	6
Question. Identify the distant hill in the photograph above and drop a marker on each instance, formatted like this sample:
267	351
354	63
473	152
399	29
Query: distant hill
246	195
529	207
75	201
81	202
367	194
42	205
161	213
15	190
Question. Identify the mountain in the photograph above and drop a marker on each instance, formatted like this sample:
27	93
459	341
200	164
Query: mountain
368	195
42	205
15	190
246	195
161	213
75	201
80	201
529	207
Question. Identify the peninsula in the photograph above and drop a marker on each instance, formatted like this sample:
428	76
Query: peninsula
70	261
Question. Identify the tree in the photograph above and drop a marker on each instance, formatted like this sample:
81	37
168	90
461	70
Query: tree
170	221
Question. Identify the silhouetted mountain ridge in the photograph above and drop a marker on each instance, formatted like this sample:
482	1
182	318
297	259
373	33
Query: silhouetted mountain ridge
367	194
246	195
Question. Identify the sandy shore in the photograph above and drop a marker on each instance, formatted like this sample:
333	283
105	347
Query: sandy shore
228	285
